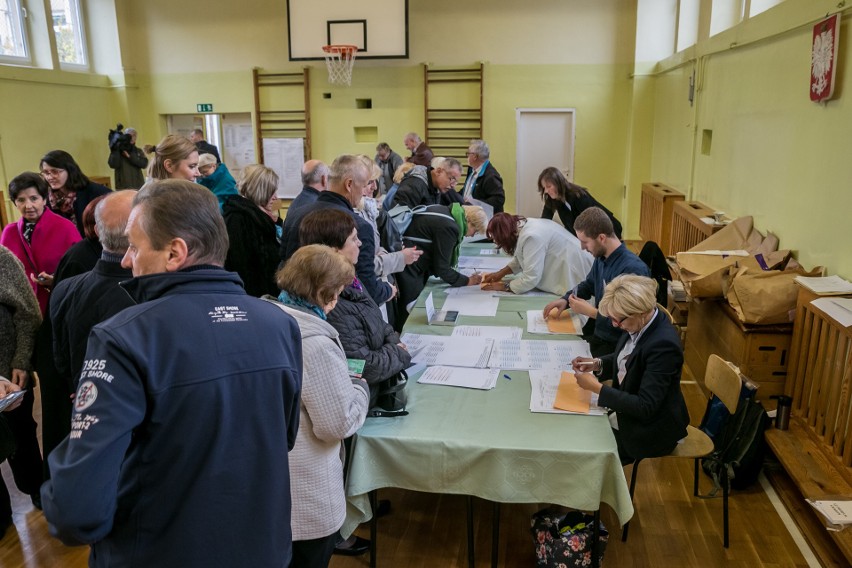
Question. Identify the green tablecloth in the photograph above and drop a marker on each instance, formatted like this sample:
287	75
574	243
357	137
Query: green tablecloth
486	443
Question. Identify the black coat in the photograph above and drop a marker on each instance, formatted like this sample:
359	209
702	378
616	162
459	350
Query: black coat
489	187
578	205
437	236
365	335
652	414
253	249
80	258
414	191
85	196
205	147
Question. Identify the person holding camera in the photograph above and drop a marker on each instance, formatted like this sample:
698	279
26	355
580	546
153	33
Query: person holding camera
126	159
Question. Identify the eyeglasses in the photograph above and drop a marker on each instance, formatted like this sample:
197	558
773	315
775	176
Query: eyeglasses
470	153
51	173
617	322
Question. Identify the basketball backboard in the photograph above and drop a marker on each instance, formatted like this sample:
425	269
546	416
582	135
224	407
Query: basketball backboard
378	27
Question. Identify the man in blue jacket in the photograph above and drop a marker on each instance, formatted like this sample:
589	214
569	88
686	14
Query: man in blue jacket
186	407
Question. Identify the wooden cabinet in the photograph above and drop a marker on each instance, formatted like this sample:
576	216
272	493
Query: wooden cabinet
655	213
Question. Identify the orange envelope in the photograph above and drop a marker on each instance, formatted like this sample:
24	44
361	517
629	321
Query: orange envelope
570	396
561	324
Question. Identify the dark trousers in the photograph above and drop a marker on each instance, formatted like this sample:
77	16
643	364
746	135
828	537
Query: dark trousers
314	553
26	461
55	395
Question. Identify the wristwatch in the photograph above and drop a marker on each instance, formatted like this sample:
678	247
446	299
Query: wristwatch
597	369
506	287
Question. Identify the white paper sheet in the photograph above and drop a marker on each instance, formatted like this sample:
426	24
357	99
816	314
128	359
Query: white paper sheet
828	285
489	252
479	304
836	512
445	350
538	325
839	309
483	379
492	331
544	385
484	263
523	354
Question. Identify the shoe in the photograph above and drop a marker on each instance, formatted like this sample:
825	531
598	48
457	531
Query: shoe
36	499
383	509
358	547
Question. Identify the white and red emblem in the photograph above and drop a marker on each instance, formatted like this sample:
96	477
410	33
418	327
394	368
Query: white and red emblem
824	58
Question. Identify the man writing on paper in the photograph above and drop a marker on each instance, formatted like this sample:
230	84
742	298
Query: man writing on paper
597	235
187	406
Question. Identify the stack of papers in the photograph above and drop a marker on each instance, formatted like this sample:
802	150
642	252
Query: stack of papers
566	323
826	286
451	351
484	263
547	386
492	331
839	309
471	301
483	379
677	290
523	354
836	512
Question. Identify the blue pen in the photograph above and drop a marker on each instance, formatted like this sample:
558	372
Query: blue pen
505	376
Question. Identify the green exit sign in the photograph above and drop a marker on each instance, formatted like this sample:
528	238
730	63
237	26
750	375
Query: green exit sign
206	107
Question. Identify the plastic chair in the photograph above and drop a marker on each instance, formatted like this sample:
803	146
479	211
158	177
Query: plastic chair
722	379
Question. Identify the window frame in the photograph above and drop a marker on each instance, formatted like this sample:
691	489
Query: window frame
79	30
21	20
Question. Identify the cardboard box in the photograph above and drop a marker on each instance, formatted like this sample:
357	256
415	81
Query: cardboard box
761	351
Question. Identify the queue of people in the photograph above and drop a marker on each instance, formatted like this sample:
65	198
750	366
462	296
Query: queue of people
278	306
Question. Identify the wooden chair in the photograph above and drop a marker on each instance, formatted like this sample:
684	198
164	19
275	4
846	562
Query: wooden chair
723	380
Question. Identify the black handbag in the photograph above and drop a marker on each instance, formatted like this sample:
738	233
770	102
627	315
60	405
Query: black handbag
388	398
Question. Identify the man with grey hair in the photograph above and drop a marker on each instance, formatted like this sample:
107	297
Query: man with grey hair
421	154
314	182
388	161
187	406
483	182
348	177
432	185
128	161
79	303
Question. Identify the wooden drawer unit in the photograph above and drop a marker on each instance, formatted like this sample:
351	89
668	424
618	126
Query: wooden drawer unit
687	227
655	213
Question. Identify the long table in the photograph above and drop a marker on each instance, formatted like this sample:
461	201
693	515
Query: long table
486	443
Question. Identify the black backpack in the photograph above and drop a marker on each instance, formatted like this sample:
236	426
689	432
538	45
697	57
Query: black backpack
739	446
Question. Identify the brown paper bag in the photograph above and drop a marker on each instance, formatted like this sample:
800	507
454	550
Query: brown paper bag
765	296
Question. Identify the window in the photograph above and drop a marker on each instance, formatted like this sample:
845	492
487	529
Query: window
68	28
13	39
759	6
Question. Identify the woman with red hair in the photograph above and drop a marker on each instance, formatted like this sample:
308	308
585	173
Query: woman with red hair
546	256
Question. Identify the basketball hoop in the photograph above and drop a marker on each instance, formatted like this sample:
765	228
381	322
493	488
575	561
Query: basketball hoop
339	59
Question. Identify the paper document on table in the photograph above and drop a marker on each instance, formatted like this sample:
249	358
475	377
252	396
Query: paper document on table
492	331
483	379
567	323
489	251
484	263
738	252
571	396
545	384
825	286
535	292
472	304
523	354
836	512
452	351
839	309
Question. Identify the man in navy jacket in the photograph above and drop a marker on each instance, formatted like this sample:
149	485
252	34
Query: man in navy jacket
187	406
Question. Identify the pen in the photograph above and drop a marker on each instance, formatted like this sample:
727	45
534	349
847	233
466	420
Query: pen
505	376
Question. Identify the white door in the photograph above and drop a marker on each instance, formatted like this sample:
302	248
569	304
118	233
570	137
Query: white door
545	138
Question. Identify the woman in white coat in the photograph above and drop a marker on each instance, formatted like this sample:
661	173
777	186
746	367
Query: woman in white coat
546	256
333	405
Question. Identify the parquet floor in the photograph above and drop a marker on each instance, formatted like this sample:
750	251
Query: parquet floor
670	528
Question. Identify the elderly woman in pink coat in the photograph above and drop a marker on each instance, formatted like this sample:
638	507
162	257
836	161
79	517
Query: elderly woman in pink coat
40	237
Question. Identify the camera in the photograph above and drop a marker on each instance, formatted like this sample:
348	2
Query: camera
119	140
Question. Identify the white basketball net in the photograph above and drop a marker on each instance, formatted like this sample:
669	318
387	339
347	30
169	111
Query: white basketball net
340	59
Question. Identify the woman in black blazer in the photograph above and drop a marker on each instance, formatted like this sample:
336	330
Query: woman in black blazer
70	190
568	200
650	414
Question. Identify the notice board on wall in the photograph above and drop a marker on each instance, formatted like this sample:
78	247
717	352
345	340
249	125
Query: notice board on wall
285	156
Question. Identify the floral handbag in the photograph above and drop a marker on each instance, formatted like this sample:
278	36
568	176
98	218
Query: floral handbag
562	541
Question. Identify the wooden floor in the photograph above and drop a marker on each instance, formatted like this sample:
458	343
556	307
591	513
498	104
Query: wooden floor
670	528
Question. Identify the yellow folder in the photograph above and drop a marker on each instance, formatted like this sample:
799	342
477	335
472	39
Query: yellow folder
562	324
570	396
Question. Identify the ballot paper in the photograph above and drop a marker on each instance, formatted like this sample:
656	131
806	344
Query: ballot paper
483	379
451	351
836	512
538	325
492	331
545	384
523	354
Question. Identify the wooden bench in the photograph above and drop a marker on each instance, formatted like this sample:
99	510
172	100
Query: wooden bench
816	451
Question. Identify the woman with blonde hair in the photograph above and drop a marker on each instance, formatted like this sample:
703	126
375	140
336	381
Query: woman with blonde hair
650	413
174	157
254	230
333	406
